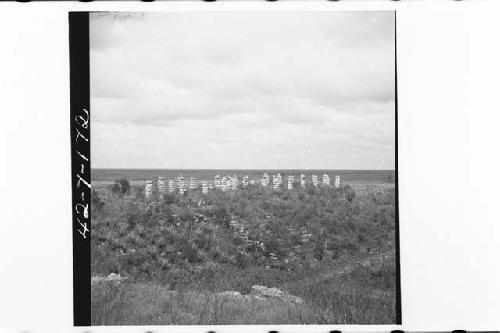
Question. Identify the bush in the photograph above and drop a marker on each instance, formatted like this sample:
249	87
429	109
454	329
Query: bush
96	202
350	194
121	187
243	204
186	214
170	198
222	215
139	193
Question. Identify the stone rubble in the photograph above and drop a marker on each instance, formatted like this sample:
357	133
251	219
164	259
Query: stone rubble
111	278
262	293
274	293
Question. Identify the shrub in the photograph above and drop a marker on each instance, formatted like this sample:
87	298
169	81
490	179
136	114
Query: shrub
222	215
242	259
139	193
96	202
186	214
133	215
243	204
170	198
350	194
190	252
121	187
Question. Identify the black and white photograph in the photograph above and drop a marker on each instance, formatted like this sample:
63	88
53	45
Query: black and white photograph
243	168
256	166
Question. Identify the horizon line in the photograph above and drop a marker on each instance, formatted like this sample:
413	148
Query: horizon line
209	169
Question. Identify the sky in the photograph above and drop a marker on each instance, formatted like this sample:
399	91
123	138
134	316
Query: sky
243	90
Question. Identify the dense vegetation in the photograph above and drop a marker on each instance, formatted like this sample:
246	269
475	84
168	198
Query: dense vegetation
332	247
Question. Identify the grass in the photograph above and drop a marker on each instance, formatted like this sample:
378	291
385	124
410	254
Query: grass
326	303
334	248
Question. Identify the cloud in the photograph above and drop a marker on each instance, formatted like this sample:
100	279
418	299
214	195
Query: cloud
297	85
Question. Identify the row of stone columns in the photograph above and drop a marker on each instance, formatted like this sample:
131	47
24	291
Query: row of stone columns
230	182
